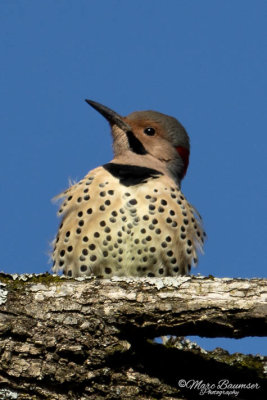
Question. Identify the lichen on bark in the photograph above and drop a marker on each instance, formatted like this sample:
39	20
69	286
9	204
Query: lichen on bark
66	338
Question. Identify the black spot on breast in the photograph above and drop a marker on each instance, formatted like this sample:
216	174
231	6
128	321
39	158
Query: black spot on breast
133	202
108	270
130	175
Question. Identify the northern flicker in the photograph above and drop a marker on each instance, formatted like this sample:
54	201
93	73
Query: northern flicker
129	216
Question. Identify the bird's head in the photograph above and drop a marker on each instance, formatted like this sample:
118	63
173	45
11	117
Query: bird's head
148	138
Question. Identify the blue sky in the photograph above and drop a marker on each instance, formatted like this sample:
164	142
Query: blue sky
203	62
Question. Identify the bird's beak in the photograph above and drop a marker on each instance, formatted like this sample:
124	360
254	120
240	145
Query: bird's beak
111	116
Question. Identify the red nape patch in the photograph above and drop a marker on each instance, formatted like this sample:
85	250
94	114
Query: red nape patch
184	154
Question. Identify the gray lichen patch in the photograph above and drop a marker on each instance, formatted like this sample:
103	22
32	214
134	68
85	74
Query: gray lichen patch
8	394
3	293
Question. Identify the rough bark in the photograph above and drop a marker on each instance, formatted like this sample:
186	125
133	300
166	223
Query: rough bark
92	339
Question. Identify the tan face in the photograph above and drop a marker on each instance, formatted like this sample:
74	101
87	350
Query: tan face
153	137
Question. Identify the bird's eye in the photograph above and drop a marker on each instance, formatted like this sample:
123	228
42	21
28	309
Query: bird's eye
149	131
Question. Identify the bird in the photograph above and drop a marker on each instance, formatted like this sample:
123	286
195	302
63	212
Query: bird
129	217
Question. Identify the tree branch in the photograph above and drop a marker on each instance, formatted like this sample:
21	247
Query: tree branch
64	338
